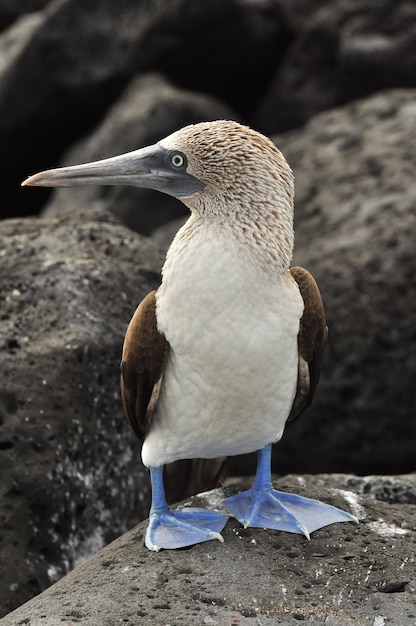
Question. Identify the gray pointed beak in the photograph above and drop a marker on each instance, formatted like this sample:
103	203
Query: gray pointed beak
152	168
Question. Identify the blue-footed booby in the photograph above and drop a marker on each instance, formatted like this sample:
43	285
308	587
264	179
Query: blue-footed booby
229	347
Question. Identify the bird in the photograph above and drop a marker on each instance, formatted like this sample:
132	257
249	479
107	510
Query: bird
229	347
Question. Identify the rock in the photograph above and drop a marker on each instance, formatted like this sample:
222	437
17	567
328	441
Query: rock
74	479
11	11
81	55
347	574
163	236
355	223
399	489
298	13
345	51
149	110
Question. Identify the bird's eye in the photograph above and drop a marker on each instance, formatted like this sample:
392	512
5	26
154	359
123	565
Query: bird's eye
177	160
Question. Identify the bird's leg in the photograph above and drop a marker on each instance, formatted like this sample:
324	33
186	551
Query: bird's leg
176	528
264	507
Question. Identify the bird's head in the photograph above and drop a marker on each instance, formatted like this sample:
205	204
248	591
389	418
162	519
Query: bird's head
211	166
220	169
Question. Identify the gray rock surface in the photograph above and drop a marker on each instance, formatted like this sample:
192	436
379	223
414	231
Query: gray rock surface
355	223
298	13
147	111
345	51
347	574
71	476
11	11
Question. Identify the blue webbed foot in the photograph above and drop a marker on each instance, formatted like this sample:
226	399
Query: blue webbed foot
264	507
177	528
283	511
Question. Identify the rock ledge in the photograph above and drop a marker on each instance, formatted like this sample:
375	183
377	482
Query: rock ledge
347	574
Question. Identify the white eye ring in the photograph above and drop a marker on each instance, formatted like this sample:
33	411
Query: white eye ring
177	160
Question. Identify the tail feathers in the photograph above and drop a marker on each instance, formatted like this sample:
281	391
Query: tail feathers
185	478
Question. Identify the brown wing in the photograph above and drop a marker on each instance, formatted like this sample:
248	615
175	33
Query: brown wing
144	353
313	333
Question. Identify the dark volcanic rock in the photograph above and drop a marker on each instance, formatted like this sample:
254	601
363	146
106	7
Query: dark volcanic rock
355	223
149	110
74	58
345	51
71	475
298	13
10	11
347	574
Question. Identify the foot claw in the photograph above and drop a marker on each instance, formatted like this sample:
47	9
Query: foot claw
178	528
217	536
304	531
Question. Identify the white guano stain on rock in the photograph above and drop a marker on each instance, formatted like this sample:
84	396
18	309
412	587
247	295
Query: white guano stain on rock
386	530
214	499
352	498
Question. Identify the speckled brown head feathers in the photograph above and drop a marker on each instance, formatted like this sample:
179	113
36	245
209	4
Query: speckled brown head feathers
233	160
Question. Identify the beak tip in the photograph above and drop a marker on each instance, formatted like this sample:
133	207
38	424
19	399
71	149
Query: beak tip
28	182
34	181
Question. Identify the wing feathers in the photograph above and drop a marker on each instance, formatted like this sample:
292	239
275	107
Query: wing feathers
312	338
144	353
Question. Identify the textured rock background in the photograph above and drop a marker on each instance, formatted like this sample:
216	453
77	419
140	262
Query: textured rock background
71	477
355	231
81	80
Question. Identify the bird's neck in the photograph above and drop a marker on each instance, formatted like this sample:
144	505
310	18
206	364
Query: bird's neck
267	235
258	221
264	246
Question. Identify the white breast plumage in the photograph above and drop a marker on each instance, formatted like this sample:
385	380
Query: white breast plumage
220	316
